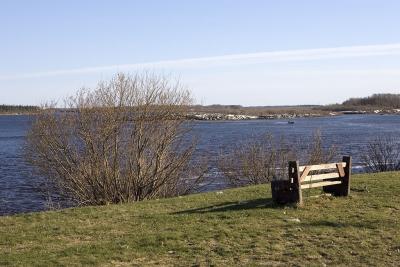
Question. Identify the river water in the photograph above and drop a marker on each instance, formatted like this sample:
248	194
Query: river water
20	188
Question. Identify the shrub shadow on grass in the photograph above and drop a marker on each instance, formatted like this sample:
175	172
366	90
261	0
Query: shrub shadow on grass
234	206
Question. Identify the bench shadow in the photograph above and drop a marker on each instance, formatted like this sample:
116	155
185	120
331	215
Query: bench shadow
234	206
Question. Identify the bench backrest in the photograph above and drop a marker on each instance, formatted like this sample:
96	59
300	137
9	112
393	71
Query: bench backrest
334	178
322	175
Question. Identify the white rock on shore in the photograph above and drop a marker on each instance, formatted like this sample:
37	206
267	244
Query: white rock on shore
220	116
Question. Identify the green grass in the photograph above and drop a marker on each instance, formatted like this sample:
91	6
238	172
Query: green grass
238	227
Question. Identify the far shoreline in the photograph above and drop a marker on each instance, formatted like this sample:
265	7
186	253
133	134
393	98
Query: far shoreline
221	117
17	114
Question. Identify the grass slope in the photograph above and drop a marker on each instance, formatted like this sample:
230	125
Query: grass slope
236	227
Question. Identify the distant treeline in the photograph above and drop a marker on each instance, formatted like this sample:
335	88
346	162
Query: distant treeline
18	109
369	103
376	100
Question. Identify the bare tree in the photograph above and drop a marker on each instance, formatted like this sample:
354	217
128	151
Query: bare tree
382	154
126	140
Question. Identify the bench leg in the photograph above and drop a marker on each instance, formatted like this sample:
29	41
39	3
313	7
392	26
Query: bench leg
342	189
284	192
294	178
281	193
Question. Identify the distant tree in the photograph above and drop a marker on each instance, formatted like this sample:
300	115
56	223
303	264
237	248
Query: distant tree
126	140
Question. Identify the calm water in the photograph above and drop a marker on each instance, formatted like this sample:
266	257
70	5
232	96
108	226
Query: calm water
20	189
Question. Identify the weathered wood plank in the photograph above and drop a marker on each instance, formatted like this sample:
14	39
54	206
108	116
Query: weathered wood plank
305	173
319	177
322	166
341	170
325	183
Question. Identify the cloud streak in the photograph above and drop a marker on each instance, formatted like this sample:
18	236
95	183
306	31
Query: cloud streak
231	60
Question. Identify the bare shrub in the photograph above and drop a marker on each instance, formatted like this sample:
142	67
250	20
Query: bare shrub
256	161
382	154
262	159
316	153
126	140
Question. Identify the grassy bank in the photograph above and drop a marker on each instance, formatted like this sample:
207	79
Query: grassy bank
236	227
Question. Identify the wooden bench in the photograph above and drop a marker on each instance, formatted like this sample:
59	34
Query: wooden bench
334	178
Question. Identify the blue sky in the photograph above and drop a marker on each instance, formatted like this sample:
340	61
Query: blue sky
230	52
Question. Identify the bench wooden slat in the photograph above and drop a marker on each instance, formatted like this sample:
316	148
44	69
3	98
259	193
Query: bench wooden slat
325	183
318	177
341	170
305	173
322	166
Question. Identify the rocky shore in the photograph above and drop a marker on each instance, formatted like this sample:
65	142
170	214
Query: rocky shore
222	116
204	116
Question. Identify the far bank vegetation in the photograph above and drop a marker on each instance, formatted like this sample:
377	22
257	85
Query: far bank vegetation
12	109
370	103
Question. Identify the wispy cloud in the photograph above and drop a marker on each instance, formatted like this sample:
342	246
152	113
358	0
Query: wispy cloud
231	60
